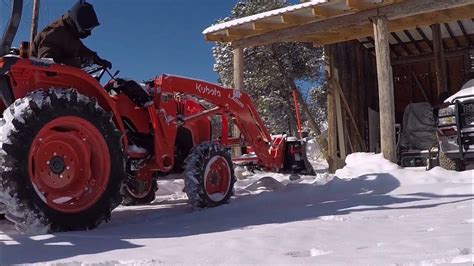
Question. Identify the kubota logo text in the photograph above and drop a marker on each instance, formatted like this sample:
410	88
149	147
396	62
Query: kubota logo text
206	90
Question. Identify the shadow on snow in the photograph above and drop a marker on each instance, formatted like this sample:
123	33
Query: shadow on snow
295	202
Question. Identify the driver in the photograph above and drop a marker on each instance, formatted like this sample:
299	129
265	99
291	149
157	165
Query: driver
61	39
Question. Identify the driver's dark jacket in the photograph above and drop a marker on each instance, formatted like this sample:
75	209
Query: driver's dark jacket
60	41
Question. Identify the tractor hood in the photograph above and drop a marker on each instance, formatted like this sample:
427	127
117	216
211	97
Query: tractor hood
12	26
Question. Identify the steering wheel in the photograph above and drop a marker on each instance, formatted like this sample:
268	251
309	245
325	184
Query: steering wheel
101	71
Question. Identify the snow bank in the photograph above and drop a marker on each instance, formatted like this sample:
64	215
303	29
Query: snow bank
358	164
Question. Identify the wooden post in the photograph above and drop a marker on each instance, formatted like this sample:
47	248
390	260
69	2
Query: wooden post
331	107
238	85
238	68
385	84
34	21
439	57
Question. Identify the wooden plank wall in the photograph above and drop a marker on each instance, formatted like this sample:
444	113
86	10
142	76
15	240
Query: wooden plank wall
408	91
356	71
355	66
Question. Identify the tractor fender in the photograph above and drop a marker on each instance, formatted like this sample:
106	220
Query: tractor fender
27	75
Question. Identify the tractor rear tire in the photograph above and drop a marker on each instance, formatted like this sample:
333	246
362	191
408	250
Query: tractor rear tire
209	175
61	162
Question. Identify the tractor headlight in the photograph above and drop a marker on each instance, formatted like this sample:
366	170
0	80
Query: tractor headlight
450	120
447	111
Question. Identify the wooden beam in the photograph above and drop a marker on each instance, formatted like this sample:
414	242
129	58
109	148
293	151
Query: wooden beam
349	112
428	57
468	38
440	62
362	5
392	50
423	35
402	44
385	84
218	38
242	32
327	11
294	19
268	26
413	41
420	86
392	12
340	126
357	32
451	34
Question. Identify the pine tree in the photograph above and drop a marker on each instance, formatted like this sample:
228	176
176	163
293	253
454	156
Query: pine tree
271	72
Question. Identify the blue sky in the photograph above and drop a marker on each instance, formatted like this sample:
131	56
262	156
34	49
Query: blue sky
143	38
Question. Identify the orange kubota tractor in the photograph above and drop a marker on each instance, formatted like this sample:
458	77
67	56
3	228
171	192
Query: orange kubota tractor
72	150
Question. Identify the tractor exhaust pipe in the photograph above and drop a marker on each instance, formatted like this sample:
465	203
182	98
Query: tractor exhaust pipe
12	27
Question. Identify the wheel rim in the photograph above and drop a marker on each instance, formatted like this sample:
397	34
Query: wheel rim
142	183
217	178
69	164
140	194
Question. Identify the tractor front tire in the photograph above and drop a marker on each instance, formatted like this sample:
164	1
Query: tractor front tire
209	175
61	162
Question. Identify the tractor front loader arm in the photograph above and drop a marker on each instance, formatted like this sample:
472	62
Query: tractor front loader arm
229	103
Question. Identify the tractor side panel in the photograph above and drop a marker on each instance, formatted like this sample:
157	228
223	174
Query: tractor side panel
30	75
137	116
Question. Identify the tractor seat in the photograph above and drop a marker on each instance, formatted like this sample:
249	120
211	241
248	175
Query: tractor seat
132	90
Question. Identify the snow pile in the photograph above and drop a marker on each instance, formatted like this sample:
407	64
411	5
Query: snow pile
363	164
358	164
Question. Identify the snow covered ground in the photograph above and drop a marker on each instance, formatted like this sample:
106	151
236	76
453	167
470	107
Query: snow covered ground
370	212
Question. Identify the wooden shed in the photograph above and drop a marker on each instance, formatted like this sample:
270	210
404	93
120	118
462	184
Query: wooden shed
381	55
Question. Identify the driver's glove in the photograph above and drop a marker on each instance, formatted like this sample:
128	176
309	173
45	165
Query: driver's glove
103	62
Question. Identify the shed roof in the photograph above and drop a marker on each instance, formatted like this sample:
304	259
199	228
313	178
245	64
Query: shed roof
456	34
331	21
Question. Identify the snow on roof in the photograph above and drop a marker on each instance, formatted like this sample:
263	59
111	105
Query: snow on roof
240	21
